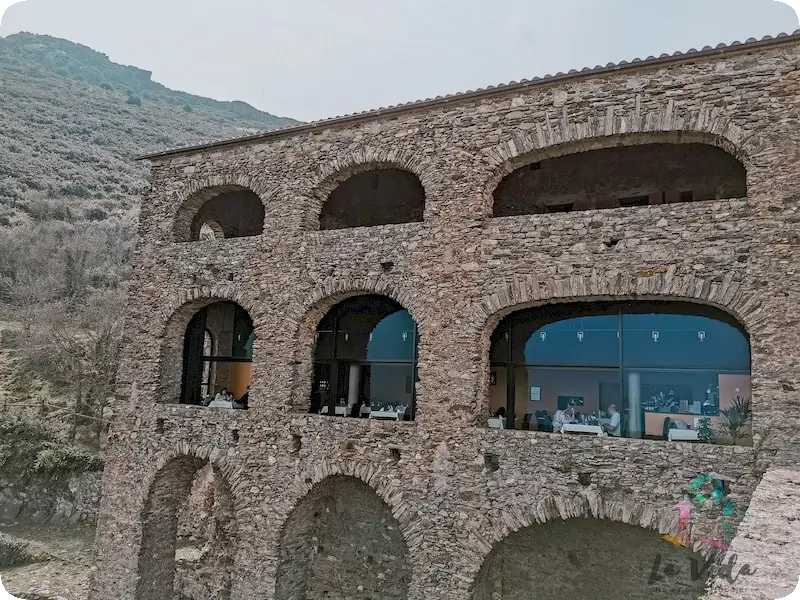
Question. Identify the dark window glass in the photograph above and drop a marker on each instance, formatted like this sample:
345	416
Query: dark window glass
365	354
660	365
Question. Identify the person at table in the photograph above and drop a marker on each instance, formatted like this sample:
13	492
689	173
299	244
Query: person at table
613	428
244	399
563	417
222	400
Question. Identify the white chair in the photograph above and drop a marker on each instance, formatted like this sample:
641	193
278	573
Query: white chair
496	423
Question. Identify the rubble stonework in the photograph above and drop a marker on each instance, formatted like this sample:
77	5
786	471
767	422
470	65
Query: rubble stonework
458	272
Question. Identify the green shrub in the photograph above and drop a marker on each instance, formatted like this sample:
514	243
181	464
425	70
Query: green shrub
63	71
107	86
187	108
27	449
134	100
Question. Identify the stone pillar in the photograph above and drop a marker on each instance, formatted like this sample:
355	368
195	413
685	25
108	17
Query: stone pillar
635	425
353	386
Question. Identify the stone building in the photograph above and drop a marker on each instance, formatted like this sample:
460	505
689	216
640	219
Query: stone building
389	283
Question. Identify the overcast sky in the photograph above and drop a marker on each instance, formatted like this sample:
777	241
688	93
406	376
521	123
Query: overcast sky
311	59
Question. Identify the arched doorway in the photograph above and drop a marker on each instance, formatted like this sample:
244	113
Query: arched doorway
658	366
171	566
589	559
365	360
341	541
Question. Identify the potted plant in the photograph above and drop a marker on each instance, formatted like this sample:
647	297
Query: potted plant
736	418
704	431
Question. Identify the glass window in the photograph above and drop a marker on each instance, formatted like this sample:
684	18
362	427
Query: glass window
365	360
639	369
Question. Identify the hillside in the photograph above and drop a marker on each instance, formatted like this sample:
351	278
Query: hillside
72	121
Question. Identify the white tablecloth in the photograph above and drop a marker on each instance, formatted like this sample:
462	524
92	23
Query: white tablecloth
683	434
387	414
341	411
578	428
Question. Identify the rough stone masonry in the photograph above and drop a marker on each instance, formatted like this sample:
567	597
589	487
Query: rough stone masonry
309	506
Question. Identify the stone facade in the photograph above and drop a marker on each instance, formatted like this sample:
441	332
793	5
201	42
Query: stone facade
447	490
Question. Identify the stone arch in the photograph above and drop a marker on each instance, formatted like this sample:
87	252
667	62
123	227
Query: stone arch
167	488
198	192
587	508
552	138
357	162
174	317
304	316
347	512
650	284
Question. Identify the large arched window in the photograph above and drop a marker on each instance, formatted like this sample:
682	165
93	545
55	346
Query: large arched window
217	353
624	176
377	197
365	360
220	212
663	367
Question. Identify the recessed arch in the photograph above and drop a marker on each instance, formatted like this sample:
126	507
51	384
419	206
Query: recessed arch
727	296
229	210
635	368
207	346
365	358
160	570
618	172
341	540
382	195
587	558
307	313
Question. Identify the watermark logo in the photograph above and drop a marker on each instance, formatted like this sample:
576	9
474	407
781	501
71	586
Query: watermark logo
710	493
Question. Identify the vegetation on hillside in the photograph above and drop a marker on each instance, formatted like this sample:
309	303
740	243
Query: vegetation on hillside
27	449
72	123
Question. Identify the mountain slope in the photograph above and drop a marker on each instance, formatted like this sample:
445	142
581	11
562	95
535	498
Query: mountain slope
72	122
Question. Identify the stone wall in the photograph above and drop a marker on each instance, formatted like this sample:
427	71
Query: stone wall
455	488
75	500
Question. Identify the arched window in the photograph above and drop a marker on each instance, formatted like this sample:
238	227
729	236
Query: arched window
365	360
378	197
624	176
217	353
220	212
662	367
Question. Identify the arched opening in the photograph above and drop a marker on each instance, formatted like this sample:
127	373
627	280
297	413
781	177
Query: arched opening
589	559
341	541
377	197
660	370
365	360
185	555
211	231
218	356
624	176
227	211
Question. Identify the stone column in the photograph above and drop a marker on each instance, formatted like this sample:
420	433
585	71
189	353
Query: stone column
353	386
635	425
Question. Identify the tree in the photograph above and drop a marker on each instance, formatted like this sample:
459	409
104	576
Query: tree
134	100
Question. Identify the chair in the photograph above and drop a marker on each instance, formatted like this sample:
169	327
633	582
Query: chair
526	421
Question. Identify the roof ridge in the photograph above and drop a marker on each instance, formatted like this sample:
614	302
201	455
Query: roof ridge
501	87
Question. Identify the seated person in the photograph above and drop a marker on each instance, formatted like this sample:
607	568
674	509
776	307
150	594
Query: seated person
614	427
562	417
223	399
242	402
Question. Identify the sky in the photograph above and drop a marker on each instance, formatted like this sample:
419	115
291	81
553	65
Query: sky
312	59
